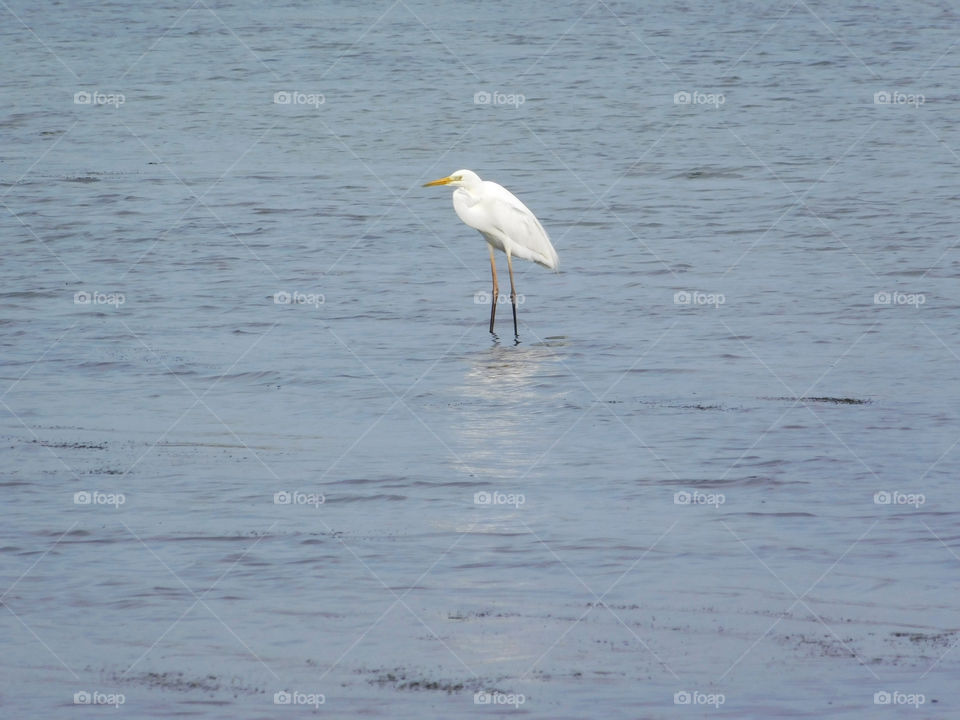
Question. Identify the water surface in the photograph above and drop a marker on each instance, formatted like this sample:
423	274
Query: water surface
689	489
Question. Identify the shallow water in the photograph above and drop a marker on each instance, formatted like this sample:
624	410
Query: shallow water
683	497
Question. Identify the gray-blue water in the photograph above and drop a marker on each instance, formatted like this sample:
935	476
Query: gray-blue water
743	505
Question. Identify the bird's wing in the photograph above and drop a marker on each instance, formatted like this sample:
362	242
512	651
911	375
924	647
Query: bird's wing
527	238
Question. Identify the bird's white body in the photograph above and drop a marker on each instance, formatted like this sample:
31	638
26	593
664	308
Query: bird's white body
505	222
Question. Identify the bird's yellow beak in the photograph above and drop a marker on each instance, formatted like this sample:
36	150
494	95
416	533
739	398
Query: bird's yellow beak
441	181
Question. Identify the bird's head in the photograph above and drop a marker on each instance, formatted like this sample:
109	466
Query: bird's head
461	178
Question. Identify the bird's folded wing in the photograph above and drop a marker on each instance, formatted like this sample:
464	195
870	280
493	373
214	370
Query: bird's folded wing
529	241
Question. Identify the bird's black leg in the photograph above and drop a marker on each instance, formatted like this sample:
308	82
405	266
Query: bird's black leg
513	295
496	289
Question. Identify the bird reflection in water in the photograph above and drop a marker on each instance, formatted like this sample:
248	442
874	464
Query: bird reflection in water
504	390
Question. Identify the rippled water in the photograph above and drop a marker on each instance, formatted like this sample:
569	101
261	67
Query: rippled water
683	497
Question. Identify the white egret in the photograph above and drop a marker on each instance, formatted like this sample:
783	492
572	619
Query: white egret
506	224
